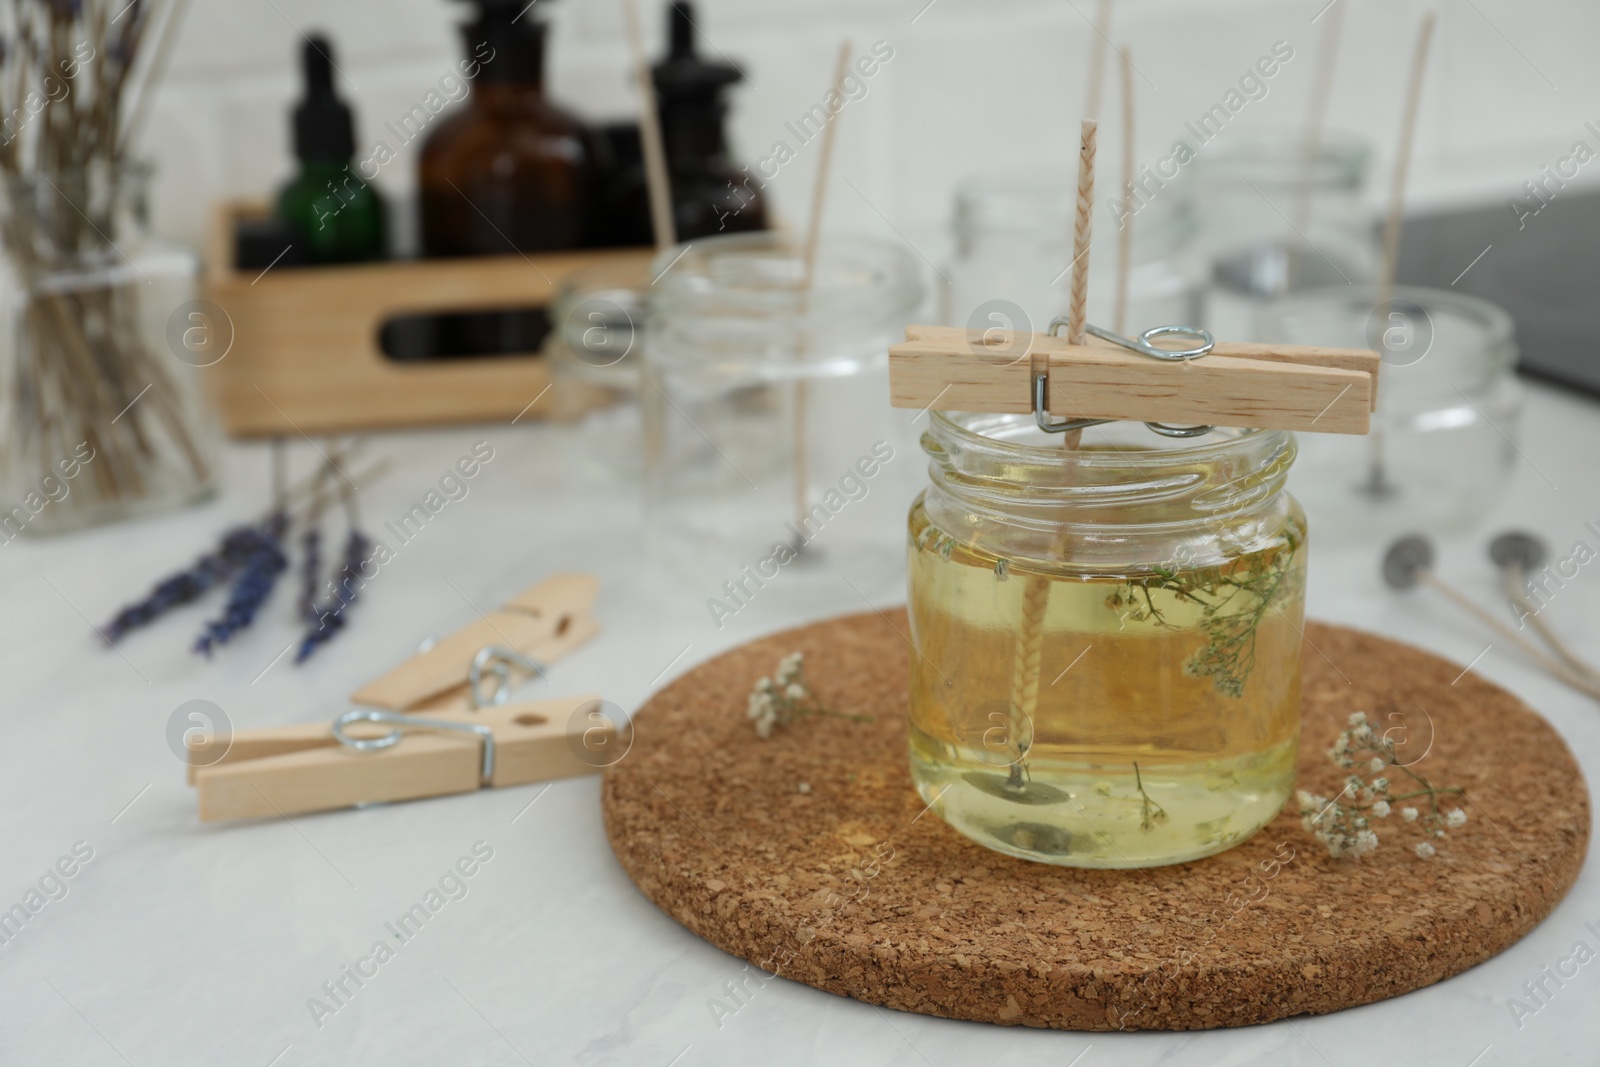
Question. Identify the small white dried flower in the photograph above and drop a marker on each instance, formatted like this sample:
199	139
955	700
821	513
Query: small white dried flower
803	787
1380	784
764	685
1425	850
1358	718
1408	814
1381	809
795	691
1377	765
1455	818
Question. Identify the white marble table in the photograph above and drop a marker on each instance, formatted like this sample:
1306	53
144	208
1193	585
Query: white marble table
178	943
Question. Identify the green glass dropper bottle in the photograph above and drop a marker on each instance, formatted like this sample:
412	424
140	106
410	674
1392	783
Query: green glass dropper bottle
339	217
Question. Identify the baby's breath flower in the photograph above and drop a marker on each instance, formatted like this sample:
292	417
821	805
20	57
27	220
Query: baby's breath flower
1342	824
779	703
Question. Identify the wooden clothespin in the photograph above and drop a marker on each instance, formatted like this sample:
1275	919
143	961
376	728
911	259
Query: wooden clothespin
1219	383
373	755
540	624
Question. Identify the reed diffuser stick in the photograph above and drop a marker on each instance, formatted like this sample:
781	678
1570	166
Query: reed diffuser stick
1097	58
1402	160
1377	484
1036	593
1316	119
657	181
1125	225
808	270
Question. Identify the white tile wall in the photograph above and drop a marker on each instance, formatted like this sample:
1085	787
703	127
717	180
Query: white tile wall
974	84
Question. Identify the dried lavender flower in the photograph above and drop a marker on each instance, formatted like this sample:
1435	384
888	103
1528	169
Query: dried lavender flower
251	586
329	619
310	572
187	585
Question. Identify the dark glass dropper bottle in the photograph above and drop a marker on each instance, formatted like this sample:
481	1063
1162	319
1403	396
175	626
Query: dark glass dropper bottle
508	172
337	217
709	194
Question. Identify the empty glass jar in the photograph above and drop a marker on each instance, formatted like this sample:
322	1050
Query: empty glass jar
774	463
1277	218
1014	250
1443	444
1108	667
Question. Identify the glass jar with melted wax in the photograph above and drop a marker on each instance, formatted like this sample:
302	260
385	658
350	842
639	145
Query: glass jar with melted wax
1108	639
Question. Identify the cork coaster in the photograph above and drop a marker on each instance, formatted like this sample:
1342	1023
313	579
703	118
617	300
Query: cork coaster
851	887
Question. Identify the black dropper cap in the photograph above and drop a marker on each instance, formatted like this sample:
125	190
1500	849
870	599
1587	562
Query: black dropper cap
507	38
323	128
684	76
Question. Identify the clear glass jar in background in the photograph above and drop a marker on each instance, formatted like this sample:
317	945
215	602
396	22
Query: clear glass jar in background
1014	243
1443	442
1276	219
100	349
737	356
595	348
1109	639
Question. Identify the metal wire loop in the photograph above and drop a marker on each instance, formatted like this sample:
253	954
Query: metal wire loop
498	661
409	722
1204	343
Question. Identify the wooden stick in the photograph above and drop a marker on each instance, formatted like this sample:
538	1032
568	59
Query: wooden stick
1119	316
1377	483
1097	58
1402	162
1316	118
657	179
808	268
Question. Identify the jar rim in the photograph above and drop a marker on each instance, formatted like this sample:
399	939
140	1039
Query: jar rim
1232	439
1277	154
759	276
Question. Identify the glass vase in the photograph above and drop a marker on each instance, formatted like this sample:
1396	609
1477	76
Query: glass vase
101	417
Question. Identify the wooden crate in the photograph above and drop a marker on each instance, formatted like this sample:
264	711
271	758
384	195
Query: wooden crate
305	355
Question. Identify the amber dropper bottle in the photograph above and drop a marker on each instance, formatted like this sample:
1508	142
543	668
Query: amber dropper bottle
508	172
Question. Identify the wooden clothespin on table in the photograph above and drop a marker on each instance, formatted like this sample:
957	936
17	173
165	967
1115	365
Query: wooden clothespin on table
539	624
1213	383
426	728
373	756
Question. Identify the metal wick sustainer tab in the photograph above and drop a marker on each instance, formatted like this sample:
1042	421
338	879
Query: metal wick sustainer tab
1141	345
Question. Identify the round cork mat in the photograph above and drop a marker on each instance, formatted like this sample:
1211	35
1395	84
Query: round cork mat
847	884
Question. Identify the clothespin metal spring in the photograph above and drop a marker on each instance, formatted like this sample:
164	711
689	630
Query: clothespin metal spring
404	722
1141	344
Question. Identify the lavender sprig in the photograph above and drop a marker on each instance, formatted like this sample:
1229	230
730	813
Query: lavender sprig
310	568
329	619
252	585
187	585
